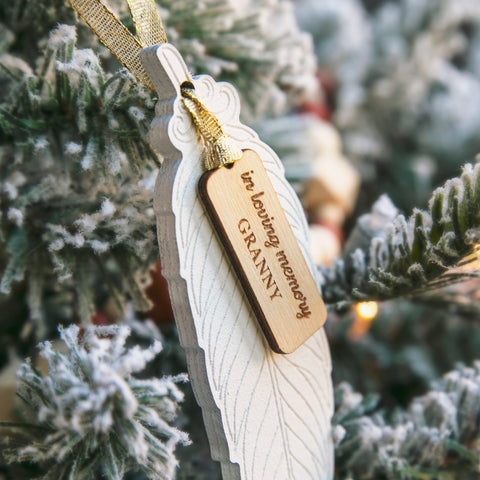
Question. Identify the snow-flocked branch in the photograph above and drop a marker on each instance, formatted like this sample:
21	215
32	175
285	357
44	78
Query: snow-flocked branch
435	438
75	172
409	256
91	416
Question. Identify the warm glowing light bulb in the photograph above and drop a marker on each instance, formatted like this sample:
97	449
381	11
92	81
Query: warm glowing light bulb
367	310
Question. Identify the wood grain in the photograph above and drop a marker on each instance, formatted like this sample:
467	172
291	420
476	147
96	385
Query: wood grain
260	243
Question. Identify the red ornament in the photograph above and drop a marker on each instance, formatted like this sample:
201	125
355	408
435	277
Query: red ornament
318	109
319	105
157	292
101	319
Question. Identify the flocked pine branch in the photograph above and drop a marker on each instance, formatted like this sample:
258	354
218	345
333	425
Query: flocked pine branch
75	167
435	438
409	256
91	417
255	45
406	73
28	22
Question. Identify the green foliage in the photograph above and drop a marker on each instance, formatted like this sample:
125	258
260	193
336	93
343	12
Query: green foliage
406	88
409	344
30	21
75	167
232	42
411	256
435	438
91	417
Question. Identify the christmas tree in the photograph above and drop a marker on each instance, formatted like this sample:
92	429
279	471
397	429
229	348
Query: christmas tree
392	85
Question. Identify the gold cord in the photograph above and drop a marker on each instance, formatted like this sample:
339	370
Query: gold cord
220	150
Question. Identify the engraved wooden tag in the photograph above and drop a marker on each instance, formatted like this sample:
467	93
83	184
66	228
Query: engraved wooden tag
252	226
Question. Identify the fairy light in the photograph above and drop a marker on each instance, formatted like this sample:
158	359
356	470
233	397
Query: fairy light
365	313
367	310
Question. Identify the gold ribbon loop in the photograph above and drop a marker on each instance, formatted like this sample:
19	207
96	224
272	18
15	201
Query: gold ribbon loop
220	149
147	21
117	38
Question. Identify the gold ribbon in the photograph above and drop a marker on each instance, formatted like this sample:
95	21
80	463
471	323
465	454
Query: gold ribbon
220	149
147	21
117	38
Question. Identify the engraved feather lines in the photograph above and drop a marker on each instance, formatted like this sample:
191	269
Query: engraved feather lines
262	409
275	409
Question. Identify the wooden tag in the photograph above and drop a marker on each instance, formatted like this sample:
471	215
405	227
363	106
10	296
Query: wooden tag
252	226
